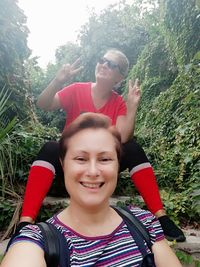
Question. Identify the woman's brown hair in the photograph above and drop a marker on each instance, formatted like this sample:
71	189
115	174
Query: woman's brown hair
86	121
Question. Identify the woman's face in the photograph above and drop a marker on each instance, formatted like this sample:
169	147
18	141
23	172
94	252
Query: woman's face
91	167
108	68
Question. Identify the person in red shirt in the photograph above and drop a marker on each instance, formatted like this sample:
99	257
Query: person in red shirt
97	97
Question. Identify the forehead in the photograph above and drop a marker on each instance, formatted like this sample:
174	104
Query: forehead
92	139
112	56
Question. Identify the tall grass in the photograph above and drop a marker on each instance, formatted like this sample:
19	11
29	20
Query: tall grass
6	143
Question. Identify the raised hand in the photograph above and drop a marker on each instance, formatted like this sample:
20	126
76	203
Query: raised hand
67	71
134	94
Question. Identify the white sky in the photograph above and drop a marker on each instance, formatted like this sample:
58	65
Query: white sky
54	22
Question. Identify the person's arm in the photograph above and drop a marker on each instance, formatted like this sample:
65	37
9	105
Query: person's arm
125	124
48	100
164	256
24	254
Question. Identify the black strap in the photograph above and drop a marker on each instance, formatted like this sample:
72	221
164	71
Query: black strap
56	249
139	233
129	217
51	244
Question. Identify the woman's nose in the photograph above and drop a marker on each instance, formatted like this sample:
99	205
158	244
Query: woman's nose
93	169
105	64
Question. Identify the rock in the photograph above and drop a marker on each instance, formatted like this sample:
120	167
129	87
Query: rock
192	244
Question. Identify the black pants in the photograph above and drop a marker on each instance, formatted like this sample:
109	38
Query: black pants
132	156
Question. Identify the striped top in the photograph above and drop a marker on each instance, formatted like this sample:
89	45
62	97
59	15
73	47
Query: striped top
116	249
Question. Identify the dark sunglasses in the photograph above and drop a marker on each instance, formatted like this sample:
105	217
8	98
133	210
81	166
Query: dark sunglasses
111	65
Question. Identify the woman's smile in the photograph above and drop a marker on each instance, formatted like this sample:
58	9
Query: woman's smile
92	185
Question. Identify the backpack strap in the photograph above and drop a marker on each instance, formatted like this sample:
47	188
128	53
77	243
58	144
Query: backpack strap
129	217
139	233
56	248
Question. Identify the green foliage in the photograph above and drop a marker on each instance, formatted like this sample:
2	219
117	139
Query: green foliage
35	75
125	186
48	211
168	118
18	146
29	139
171	134
181	23
6	161
172	205
8	208
13	52
6	213
186	258
67	53
155	64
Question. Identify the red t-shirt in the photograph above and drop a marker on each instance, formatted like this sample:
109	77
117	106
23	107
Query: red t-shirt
76	99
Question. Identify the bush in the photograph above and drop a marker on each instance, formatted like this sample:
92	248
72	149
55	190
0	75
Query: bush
170	135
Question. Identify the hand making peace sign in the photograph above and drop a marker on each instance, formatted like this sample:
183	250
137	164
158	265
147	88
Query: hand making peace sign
67	71
134	94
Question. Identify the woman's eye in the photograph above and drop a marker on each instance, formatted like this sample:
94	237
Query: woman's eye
80	159
105	159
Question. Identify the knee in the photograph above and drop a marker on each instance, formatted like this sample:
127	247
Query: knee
133	148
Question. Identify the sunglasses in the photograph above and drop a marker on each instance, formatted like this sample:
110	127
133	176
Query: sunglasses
111	65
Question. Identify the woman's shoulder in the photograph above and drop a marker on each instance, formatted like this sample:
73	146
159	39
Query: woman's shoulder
32	233
140	213
149	221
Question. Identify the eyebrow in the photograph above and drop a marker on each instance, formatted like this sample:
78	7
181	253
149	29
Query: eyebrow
86	152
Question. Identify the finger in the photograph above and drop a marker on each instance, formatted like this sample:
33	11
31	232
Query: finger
65	66
76	62
137	83
130	84
76	70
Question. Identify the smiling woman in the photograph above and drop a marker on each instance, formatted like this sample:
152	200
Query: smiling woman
95	233
90	161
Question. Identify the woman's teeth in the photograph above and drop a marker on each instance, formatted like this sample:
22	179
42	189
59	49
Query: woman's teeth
93	185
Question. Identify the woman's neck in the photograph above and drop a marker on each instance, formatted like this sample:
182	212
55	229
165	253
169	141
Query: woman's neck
100	94
90	221
102	90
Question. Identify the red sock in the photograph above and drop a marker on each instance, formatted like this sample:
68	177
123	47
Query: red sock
145	181
39	182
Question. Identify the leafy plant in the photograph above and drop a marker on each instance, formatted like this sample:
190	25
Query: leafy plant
49	210
187	259
7	209
6	159
29	139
